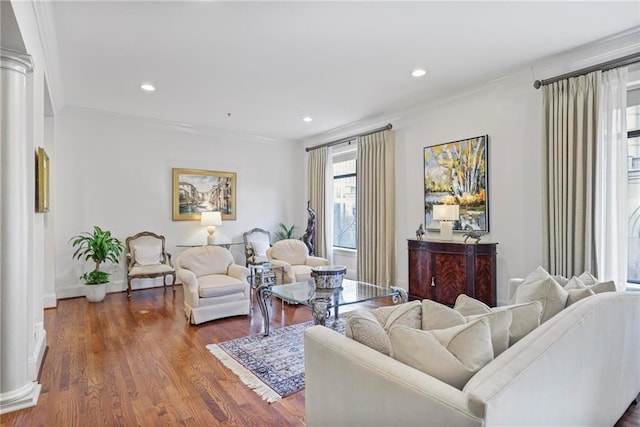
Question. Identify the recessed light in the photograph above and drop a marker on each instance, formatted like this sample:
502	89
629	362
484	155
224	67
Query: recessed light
419	72
307	119
147	87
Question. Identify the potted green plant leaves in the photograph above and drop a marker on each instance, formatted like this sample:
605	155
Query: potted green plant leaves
98	247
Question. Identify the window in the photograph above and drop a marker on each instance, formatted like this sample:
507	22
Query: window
633	185
344	197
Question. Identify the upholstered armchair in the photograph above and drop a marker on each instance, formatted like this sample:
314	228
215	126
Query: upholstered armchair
293	256
147	258
256	243
214	287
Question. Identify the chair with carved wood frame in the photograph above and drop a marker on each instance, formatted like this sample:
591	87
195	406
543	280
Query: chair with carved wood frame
256	243
147	258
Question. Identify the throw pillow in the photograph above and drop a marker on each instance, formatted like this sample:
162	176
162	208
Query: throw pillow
259	251
437	316
371	327
148	254
576	295
468	306
575	283
552	296
609	286
562	281
588	278
524	319
452	355
499	324
362	326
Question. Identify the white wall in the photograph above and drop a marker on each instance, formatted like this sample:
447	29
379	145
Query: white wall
510	113
116	172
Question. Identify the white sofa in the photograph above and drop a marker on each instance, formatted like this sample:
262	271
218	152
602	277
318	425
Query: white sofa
580	368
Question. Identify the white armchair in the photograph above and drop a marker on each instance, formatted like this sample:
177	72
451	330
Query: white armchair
293	256
214	287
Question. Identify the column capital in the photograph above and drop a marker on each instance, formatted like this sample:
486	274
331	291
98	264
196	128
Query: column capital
17	61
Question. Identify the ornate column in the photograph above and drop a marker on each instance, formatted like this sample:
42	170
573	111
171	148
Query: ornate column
16	390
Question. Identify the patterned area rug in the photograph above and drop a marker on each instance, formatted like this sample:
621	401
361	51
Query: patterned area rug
272	366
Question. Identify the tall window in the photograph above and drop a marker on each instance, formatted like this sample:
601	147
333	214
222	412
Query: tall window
344	198
633	185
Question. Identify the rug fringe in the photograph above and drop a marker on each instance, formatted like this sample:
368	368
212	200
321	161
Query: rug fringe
245	375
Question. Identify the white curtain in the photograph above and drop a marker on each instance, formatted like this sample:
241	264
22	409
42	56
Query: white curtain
611	181
320	195
375	206
569	140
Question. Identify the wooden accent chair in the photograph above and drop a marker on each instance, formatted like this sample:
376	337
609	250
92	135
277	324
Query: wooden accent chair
256	243
147	258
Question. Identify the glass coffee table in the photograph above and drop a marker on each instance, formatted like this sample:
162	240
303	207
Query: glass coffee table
322	300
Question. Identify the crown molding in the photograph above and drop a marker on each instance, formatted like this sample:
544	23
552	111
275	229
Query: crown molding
176	126
43	14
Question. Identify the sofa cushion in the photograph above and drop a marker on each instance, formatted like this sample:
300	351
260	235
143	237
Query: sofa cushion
575	283
437	316
562	281
216	285
576	295
293	251
524	319
609	286
259	248
371	327
452	355
468	306
148	253
546	290
588	278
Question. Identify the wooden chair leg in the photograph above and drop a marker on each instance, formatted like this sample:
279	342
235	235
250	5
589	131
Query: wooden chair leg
173	283
128	287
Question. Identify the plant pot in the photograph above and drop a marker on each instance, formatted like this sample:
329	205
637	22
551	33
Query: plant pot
96	293
328	276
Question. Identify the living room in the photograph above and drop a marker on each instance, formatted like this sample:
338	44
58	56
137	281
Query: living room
113	169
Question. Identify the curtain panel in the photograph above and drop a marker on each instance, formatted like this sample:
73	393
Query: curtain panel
611	195
375	205
320	193
570	145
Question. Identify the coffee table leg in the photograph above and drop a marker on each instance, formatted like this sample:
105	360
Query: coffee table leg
263	292
401	296
320	307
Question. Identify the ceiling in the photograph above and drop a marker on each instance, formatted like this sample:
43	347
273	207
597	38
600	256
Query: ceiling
270	64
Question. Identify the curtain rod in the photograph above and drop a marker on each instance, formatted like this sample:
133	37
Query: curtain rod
349	138
605	66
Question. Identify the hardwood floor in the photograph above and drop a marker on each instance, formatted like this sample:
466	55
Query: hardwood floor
138	362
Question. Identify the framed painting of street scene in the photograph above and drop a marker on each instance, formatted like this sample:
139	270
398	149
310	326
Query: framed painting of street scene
196	191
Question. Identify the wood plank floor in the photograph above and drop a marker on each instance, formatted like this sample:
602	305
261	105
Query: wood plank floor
139	363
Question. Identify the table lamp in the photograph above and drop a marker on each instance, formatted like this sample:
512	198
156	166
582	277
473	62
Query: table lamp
446	214
210	219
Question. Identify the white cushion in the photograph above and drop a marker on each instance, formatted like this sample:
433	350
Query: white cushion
150	269
147	254
470	306
216	285
588	278
540	286
575	283
452	355
439	316
576	295
562	281
371	327
609	286
525	318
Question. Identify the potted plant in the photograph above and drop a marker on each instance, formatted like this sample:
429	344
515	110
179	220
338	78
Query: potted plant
99	247
284	232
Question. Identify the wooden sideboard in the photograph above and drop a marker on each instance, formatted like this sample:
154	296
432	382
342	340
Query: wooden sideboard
442	270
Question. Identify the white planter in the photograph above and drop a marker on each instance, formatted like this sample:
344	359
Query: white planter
95	293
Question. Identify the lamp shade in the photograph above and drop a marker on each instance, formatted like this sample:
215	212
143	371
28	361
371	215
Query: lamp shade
446	212
210	218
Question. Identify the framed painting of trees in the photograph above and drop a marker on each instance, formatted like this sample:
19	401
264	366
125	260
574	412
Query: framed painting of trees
455	173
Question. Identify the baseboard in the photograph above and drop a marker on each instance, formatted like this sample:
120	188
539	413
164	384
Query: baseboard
16	400
35	362
50	300
78	290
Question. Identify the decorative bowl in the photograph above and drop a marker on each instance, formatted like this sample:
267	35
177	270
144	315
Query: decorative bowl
328	276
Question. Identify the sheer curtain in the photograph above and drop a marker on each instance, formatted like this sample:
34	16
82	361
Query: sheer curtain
611	197
320	195
570	141
375	205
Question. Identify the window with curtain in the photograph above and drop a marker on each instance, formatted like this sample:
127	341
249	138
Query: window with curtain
344	198
633	184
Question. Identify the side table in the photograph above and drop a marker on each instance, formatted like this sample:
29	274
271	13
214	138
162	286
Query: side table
264	274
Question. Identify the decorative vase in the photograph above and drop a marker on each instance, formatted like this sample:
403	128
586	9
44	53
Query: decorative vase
328	276
96	293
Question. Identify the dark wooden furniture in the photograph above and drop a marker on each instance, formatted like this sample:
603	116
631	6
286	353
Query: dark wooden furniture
442	270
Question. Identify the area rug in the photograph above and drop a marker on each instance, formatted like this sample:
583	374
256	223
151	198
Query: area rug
273	366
